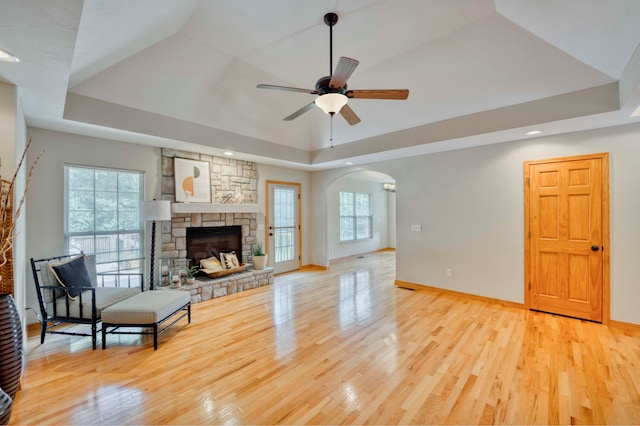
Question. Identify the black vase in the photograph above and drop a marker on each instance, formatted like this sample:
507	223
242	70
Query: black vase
5	408
10	345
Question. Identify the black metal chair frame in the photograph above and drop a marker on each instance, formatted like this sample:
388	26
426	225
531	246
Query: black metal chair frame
50	320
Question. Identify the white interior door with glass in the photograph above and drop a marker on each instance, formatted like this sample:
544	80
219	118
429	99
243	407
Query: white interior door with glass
283	226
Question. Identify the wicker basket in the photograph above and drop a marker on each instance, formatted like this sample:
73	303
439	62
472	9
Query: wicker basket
226	272
6	271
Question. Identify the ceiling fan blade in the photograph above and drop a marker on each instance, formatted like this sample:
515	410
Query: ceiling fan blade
400	94
286	88
343	71
301	111
349	115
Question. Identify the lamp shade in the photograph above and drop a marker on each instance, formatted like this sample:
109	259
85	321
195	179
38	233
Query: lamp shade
331	102
155	210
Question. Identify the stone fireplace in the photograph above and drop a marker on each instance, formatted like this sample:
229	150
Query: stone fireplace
187	237
228	176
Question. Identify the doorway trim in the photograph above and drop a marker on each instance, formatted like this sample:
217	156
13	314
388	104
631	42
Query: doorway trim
266	214
606	290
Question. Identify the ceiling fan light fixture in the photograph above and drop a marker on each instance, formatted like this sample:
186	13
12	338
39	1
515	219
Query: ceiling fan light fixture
331	103
389	187
6	56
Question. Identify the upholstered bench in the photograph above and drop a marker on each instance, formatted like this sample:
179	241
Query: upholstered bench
149	309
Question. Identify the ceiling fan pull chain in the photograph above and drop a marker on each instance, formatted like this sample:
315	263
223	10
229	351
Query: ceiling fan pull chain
331	126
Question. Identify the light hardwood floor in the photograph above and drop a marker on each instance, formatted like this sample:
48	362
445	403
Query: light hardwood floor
342	347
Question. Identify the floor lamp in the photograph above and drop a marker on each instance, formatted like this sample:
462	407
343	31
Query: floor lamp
150	212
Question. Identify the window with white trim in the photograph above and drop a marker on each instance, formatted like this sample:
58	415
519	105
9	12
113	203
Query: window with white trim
355	216
102	216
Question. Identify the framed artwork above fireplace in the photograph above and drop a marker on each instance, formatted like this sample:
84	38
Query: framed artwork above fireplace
193	181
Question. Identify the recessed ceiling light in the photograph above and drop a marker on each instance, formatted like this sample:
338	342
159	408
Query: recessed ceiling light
533	132
349	163
229	153
7	56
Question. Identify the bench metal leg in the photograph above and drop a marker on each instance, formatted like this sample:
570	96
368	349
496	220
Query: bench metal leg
155	336
94	337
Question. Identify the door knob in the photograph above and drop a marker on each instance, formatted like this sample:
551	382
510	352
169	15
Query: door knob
595	248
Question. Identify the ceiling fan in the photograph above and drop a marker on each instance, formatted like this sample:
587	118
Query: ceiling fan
332	90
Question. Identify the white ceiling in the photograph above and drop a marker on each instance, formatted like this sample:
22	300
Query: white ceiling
183	74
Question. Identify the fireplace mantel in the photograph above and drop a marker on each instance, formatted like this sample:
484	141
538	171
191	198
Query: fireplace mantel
214	208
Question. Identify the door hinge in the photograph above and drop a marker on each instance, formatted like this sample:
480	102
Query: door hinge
529	235
298	257
298	196
528	180
529	286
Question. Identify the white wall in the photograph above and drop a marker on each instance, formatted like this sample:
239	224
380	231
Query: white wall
273	173
8	147
8	95
20	231
45	216
380	226
391	218
12	144
470	205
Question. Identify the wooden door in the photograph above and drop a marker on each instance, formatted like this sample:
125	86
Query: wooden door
566	216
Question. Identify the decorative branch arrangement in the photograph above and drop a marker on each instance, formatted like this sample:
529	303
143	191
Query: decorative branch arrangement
7	219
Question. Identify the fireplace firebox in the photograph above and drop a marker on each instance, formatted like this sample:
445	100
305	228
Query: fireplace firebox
207	241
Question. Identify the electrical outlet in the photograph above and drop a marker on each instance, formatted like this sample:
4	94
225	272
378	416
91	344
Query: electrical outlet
416	228
449	272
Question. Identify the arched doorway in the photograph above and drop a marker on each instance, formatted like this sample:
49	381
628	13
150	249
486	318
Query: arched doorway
358	186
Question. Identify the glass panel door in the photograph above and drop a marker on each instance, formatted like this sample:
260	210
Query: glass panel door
284	227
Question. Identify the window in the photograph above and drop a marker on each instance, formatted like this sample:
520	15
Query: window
355	216
102	216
